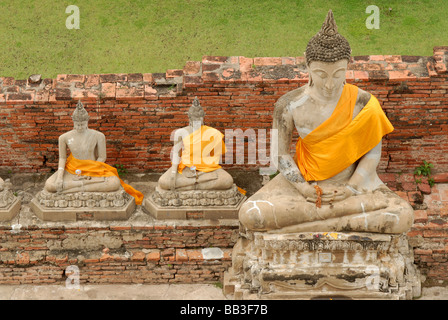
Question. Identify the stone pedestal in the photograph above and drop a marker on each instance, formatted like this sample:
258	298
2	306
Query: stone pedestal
8	209
83	206
194	204
322	266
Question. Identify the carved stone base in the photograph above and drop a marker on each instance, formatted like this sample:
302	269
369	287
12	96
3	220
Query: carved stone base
83	206
10	211
322	266
194	204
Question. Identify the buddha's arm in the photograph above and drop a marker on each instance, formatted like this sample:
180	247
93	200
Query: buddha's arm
177	148
101	147
62	160
1	184
284	124
365	176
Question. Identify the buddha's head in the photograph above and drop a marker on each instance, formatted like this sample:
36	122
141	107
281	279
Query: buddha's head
80	118
327	55
196	114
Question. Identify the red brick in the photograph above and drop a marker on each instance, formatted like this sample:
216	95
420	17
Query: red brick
173	73
192	67
361	75
424	188
262	61
440	177
181	255
420	216
153	256
194	255
138	256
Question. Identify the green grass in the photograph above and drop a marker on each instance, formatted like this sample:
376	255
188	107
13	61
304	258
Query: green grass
154	35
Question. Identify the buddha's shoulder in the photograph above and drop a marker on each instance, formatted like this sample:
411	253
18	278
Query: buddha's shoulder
97	134
289	97
363	97
67	135
362	100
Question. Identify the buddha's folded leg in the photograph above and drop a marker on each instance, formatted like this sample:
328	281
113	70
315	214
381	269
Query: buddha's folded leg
279	206
274	206
215	180
397	217
50	184
95	184
218	179
72	184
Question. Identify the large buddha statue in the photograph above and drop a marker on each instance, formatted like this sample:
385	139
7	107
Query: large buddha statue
196	181
83	179
331	183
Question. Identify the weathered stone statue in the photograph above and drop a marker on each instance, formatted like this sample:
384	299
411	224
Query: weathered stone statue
331	184
326	225
83	179
9	203
200	171
196	179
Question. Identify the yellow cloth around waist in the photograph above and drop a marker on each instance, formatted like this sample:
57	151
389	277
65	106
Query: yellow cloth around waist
93	168
340	141
202	149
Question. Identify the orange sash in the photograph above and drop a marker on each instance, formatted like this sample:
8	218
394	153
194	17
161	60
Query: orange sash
93	168
340	140
208	151
199	150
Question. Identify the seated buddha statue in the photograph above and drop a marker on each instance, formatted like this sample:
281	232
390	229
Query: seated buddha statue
9	203
85	170
331	183
196	154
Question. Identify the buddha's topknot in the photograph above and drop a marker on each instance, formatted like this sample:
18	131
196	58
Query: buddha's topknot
328	45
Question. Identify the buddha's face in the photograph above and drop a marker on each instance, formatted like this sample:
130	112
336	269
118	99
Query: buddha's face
80	126
328	78
196	122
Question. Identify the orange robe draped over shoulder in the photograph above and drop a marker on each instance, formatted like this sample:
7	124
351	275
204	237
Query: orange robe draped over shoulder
93	168
202	149
341	140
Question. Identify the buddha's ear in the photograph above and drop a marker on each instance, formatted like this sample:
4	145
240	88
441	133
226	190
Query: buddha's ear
310	79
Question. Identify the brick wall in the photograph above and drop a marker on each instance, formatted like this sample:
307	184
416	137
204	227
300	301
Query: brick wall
155	253
137	112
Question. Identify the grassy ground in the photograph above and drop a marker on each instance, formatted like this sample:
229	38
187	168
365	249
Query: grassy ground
155	35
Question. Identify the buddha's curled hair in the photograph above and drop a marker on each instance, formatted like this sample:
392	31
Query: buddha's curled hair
80	114
328	45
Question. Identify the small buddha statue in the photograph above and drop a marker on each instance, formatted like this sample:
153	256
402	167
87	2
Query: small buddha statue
331	183
196	155
85	170
196	179
9	203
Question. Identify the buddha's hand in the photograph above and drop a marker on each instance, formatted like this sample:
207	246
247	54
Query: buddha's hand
308	191
173	179
326	194
59	185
